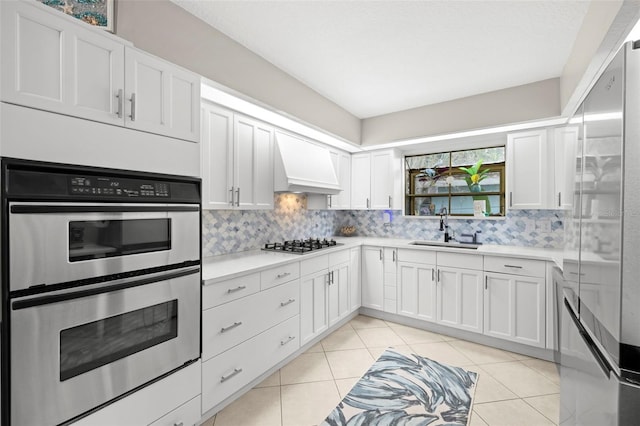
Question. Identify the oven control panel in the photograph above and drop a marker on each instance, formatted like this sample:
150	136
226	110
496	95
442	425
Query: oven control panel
98	186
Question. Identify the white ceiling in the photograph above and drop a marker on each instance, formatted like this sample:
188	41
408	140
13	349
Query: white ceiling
377	57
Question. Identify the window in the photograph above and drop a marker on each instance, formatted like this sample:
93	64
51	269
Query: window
436	181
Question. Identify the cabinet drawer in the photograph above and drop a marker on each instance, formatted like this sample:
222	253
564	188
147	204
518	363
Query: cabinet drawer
417	256
514	265
459	260
228	290
309	266
234	369
339	257
228	325
279	275
186	414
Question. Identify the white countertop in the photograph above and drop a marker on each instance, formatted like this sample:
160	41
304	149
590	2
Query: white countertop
228	266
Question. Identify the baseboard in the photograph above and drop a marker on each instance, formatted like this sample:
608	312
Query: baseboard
541	353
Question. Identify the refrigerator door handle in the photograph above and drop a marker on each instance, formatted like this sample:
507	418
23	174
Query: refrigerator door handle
600	359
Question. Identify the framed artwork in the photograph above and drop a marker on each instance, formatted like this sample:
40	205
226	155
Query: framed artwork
99	13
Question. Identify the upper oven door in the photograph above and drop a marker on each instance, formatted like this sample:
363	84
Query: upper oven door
53	243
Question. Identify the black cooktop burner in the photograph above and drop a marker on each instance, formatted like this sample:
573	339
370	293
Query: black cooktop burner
301	246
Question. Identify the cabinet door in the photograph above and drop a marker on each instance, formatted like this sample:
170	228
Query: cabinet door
253	165
372	278
460	298
342	165
217	157
382	180
417	290
55	64
161	97
361	181
514	308
527	170
339	278
314	297
565	153
355	288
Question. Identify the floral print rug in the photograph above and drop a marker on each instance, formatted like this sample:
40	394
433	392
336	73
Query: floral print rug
407	390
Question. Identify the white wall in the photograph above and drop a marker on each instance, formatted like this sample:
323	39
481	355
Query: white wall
166	30
522	103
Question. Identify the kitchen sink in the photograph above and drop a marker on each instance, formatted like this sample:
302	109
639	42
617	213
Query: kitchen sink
455	244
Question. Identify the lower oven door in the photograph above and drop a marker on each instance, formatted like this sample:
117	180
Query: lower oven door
76	350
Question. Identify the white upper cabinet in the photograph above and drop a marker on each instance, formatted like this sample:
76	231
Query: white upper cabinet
527	171
541	168
342	165
160	97
237	160
376	181
57	63
565	151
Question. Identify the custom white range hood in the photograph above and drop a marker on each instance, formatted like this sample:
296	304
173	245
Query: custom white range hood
301	166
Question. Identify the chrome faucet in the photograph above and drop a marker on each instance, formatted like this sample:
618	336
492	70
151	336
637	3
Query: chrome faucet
444	224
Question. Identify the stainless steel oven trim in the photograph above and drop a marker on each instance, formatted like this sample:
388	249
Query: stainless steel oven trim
91	290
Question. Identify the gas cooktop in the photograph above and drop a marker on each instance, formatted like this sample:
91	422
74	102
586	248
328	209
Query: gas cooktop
301	246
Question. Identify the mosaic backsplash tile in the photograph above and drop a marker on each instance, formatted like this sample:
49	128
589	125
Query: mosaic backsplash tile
230	231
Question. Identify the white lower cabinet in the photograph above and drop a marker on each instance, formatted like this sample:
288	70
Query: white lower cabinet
417	284
459	298
459	291
355	284
186	414
514	303
313	305
324	293
372	277
227	373
249	324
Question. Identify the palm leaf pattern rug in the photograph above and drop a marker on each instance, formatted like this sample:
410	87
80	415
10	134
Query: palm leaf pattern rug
407	390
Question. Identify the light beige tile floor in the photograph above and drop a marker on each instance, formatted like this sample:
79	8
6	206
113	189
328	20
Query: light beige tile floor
512	389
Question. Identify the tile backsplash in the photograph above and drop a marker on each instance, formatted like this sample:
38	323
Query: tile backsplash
230	231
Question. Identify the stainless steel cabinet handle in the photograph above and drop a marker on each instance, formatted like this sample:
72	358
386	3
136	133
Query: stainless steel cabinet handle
394	256
232	192
438	275
120	99
233	290
368	203
286	274
486	279
288	302
231	327
513	266
510	199
389	201
133	107
238	197
330	199
235	372
284	342
559	199
380	254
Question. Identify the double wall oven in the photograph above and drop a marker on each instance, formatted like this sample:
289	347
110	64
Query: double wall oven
100	285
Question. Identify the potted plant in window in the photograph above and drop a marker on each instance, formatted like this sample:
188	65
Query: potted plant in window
473	179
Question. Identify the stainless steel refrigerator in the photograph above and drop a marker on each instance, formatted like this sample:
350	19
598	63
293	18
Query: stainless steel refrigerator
600	324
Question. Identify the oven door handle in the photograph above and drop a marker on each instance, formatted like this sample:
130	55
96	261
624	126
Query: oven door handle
61	297
47	208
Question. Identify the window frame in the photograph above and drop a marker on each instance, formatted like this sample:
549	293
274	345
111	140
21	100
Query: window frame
410	196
